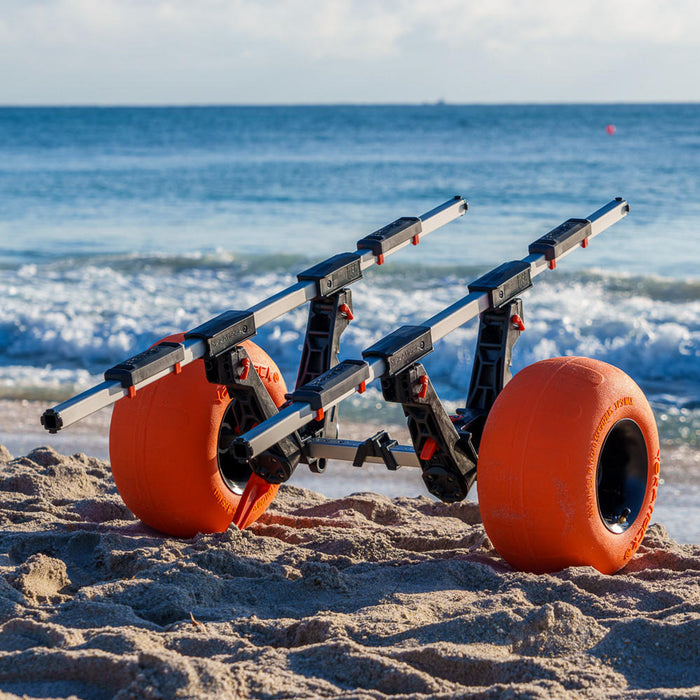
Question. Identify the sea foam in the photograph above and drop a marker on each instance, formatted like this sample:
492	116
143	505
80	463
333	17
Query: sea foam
65	322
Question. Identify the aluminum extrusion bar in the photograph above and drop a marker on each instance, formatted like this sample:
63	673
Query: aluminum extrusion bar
475	303
102	395
298	414
110	391
345	450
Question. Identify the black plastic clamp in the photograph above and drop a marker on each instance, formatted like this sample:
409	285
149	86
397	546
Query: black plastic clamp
229	367
504	282
224	331
379	445
447	457
564	237
329	316
332	384
392	235
333	274
251	404
402	348
499	330
146	364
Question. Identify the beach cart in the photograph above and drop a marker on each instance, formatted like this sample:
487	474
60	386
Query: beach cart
565	454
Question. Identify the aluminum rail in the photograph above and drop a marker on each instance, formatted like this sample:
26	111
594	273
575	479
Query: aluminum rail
473	304
346	450
110	391
298	414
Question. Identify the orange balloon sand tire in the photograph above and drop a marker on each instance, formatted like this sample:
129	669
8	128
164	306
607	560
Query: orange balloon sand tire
568	467
164	449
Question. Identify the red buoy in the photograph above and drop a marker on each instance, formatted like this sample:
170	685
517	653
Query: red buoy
610	129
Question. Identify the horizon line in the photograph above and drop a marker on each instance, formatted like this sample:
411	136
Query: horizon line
424	103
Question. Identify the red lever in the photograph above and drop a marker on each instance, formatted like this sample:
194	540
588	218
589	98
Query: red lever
517	322
345	310
584	243
429	449
423	386
245	363
416	239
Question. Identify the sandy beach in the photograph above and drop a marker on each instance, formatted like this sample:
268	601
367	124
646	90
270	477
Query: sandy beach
677	506
360	596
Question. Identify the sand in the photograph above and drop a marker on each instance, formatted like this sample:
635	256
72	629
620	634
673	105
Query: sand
357	597
677	505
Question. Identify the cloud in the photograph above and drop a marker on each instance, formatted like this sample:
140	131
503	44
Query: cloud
116	50
654	21
354	28
340	28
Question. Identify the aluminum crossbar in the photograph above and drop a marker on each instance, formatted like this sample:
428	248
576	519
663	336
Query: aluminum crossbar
110	391
298	414
346	451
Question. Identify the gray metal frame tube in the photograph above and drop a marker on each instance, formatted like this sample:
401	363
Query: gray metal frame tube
297	415
108	392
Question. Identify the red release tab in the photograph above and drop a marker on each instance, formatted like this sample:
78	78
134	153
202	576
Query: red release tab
245	363
429	449
423	387
416	239
552	264
584	243
362	388
345	310
320	414
380	259
132	392
177	368
517	322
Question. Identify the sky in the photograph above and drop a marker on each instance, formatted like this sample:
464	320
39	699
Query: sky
348	51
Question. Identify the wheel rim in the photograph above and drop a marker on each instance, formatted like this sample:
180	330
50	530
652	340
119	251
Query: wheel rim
234	473
622	475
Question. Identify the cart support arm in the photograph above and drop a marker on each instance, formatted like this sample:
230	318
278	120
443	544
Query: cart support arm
408	344
225	331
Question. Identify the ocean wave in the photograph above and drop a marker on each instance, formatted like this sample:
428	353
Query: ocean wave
66	321
409	268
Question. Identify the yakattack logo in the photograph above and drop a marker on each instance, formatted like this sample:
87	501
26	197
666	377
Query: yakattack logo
224	502
626	401
266	373
639	536
594	452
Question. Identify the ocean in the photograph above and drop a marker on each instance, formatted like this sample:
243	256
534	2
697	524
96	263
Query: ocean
121	225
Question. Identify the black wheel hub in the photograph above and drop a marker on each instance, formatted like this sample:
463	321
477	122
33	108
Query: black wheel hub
622	475
234	472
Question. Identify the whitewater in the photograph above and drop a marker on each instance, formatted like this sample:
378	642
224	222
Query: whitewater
78	320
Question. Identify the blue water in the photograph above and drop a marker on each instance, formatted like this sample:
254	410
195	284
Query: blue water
120	225
83	181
